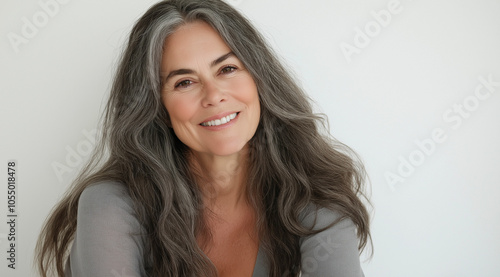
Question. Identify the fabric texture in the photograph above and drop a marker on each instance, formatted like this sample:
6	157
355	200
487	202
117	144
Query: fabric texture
108	243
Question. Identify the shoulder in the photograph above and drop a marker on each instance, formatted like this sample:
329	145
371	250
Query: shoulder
108	238
316	217
333	226
107	202
105	195
333	250
107	191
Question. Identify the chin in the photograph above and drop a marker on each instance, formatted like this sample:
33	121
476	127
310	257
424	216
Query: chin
227	150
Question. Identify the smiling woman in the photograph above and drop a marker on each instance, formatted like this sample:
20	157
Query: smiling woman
211	163
210	97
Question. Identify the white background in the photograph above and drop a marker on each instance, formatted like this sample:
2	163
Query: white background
443	220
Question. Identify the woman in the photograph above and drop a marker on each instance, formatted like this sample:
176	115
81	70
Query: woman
213	164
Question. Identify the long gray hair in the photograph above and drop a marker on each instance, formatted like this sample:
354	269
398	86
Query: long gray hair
293	162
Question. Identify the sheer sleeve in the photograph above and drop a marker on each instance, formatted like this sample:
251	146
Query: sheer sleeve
332	252
107	241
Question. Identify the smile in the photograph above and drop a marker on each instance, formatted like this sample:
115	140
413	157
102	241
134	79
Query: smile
220	121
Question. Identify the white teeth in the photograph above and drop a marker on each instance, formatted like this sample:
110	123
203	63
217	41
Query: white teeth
220	121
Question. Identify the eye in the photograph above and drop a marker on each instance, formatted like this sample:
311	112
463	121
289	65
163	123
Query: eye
183	84
227	69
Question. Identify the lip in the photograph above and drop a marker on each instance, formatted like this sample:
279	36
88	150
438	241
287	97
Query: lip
222	126
218	116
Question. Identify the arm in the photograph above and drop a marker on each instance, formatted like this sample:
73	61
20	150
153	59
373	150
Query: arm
332	252
107	241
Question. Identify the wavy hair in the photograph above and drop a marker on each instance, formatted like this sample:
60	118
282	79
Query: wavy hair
293	161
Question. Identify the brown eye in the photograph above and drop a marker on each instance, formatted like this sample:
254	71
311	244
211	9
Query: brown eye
183	84
227	69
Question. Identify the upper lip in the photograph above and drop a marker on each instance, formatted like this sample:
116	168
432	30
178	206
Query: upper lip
218	116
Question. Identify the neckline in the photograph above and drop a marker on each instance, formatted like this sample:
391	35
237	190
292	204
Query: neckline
261	267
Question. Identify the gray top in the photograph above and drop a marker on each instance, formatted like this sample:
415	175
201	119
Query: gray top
105	244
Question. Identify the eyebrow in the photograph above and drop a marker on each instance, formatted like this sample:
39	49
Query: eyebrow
190	71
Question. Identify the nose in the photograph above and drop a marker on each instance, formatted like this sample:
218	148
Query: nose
212	94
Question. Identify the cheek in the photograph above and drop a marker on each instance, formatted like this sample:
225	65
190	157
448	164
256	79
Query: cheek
246	91
180	108
248	95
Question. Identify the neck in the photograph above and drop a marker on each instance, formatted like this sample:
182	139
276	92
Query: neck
222	180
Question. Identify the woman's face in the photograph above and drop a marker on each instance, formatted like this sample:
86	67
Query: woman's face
211	98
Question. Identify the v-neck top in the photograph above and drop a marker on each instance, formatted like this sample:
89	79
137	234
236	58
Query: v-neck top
107	240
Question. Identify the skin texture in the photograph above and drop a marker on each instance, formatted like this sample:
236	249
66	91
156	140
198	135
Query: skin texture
201	81
208	91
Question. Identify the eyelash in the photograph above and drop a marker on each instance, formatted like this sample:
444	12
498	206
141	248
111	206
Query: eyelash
179	84
231	68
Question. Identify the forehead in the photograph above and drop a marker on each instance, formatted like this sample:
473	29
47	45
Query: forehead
195	42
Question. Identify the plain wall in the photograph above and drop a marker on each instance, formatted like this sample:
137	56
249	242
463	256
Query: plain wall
415	93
